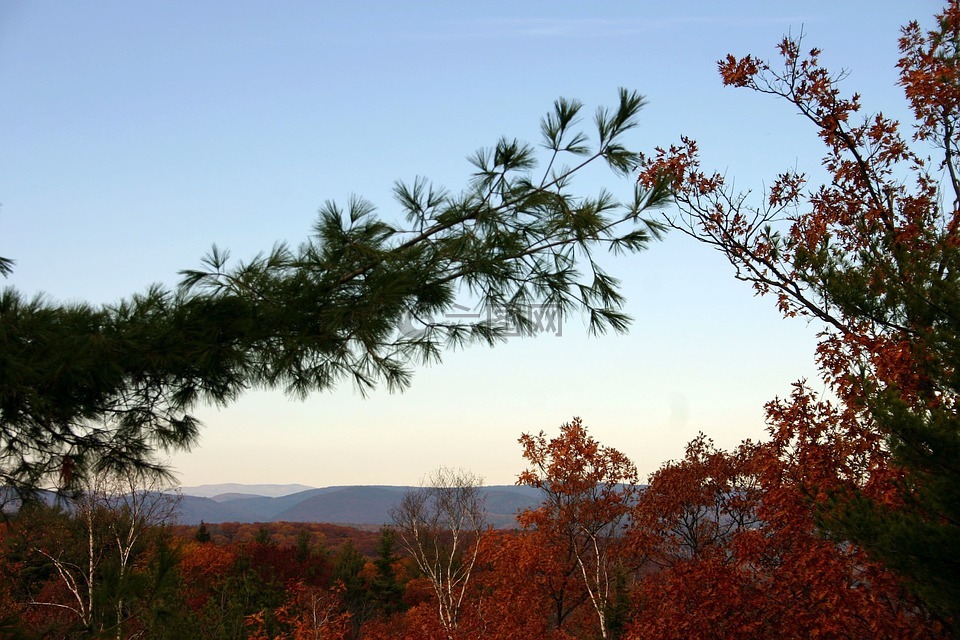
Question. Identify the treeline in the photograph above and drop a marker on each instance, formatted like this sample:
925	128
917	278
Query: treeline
720	544
68	572
284	534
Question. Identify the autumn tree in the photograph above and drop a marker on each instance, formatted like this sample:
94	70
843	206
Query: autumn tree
872	254
739	553
95	552
537	586
589	490
696	506
308	613
211	599
440	525
528	588
119	382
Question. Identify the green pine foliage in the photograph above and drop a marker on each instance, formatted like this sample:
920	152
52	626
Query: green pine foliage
385	589
202	535
85	388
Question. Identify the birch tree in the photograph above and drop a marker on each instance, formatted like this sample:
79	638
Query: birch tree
440	526
110	518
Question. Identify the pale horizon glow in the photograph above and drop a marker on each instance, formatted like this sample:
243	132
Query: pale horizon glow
136	135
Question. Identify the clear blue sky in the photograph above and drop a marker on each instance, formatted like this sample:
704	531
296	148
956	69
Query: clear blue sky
134	135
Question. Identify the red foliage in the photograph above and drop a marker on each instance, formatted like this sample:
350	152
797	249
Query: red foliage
872	254
588	491
284	534
741	554
418	623
529	592
204	569
308	613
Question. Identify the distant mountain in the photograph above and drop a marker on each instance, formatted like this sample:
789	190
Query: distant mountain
269	490
505	502
353	505
357	505
194	509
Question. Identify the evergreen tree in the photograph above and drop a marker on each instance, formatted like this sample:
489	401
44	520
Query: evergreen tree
303	545
84	386
202	535
346	571
385	590
263	536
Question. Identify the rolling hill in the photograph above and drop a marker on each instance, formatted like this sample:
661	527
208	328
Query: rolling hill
353	505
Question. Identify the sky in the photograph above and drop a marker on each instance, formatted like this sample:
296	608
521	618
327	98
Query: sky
135	135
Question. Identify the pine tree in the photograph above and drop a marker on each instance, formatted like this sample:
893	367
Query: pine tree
385	590
346	572
263	536
202	535
362	300
303	545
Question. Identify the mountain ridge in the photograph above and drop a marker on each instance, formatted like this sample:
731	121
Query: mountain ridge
265	490
348	504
